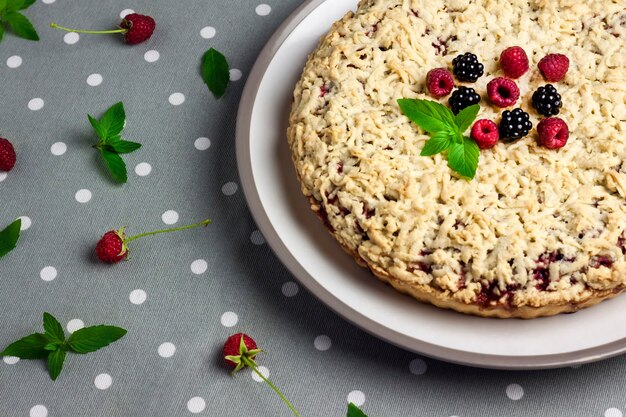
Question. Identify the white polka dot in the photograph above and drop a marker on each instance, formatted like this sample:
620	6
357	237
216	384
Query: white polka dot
613	412
514	392
26	223
167	350
257	238
103	381
11	360
263	9
74	324
207	32
177	99
36	104
3	176
418	366
229	319
263	370
126	12
143	169
229	188
322	342
196	405
48	273
71	38
169	217
83	196
290	289
152	56
137	296
94	80
357	397
38	411
48	1
58	148
14	61
199	266
235	74
202	144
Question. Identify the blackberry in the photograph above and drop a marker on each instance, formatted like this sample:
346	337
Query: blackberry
467	68
514	125
547	100
463	97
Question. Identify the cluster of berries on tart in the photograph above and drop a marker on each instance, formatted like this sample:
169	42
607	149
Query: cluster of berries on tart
503	92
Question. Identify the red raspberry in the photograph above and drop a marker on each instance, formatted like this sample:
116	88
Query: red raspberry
140	28
554	67
514	61
7	155
440	82
111	248
553	133
485	133
232	347
502	92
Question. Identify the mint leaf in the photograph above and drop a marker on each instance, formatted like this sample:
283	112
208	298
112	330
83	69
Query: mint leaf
53	328
463	158
354	411
439	142
21	26
29	347
97	127
90	339
466	117
1	31
112	121
425	115
215	72
122	146
3	8
51	346
9	237
55	363
436	110
115	164
14	5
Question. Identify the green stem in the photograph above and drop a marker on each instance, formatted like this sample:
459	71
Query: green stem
191	226
93	32
253	366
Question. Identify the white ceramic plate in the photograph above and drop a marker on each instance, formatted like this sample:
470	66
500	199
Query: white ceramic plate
313	256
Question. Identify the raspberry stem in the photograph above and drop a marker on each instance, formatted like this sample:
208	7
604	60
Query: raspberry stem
191	226
93	32
250	363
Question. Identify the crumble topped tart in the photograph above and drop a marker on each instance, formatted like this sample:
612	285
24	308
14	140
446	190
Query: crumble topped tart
537	231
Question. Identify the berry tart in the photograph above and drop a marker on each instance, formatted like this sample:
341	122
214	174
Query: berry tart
540	228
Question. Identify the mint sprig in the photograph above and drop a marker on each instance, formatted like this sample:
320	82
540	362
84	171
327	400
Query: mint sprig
446	132
215	72
10	15
53	345
111	145
9	237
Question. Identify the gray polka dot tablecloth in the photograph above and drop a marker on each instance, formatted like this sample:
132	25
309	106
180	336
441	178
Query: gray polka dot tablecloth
180	295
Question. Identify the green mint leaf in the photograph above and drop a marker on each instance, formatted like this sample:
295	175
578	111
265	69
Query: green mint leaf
21	26
97	127
90	339
215	72
466	117
3	7
51	346
426	114
122	146
9	237
15	5
463	158
115	164
436	110
112	122
29	347
354	411
55	363
53	328
1	31
439	142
